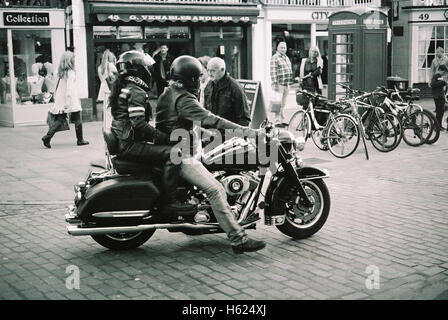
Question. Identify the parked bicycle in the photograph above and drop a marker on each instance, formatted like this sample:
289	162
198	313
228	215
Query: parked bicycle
331	131
419	126
382	128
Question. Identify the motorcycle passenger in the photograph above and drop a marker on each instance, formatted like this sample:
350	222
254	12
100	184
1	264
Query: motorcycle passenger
177	108
138	140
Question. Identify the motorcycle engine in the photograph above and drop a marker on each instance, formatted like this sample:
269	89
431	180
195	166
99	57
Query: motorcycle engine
237	185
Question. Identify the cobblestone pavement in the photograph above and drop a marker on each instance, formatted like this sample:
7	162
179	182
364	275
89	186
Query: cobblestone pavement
387	215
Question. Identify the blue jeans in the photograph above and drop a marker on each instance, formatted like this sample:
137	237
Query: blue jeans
195	173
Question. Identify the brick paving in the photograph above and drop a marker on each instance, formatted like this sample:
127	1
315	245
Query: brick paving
388	212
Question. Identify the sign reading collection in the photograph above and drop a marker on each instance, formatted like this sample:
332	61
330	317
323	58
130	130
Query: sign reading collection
26	18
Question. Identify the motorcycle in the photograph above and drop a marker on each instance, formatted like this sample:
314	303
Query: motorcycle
117	206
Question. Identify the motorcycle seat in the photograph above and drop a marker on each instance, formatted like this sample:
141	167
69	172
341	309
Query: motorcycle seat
125	166
135	168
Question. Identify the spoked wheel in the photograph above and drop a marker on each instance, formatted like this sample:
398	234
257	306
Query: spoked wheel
342	136
123	241
385	132
300	125
417	128
302	222
319	140
435	135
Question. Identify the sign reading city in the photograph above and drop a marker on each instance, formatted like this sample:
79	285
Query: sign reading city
162	18
26	18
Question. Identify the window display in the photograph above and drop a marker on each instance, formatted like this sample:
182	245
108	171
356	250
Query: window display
5	80
33	68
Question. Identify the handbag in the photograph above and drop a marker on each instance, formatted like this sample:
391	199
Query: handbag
275	102
52	118
51	98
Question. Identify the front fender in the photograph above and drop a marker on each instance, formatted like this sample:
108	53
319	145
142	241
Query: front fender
305	173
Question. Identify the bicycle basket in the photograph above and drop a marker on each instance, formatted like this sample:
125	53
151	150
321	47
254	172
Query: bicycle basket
302	99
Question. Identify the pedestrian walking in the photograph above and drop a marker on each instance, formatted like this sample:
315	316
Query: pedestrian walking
438	84
281	75
311	68
106	73
66	101
224	96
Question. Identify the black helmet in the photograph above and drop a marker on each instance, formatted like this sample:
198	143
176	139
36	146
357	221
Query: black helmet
187	70
135	63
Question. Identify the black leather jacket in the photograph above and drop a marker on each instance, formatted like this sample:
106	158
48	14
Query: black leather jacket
178	109
130	123
227	99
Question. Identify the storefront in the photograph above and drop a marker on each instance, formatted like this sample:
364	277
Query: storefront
194	29
31	43
301	27
419	28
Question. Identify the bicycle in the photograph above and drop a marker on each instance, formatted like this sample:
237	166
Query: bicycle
339	134
380	127
419	125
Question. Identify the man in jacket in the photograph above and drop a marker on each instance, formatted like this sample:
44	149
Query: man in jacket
438	84
162	67
177	108
224	96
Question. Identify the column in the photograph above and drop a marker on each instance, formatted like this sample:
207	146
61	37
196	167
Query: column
313	35
79	42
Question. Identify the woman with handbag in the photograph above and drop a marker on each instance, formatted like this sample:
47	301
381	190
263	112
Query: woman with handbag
66	100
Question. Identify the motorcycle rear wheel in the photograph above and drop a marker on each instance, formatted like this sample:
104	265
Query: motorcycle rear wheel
123	241
298	226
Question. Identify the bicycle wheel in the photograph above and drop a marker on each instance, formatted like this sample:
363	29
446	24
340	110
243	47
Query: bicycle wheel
436	128
384	133
319	140
417	128
342	136
300	125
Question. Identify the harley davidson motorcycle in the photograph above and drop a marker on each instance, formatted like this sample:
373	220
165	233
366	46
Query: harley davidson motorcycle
117	206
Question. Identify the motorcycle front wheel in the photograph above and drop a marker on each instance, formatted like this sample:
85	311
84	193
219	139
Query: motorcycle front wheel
123	241
302	222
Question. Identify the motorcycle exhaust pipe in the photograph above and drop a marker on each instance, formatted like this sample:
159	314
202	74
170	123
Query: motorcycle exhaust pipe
77	231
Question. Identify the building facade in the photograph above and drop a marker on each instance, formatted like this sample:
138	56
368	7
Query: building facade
212	28
419	27
32	39
302	23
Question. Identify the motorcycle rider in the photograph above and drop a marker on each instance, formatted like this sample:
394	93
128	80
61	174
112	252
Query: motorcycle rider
177	108
138	140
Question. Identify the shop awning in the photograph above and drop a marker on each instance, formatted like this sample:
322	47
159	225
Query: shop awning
138	12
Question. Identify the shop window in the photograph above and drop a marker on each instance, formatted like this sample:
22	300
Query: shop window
429	39
104	32
5	79
130	32
33	66
170	32
220	32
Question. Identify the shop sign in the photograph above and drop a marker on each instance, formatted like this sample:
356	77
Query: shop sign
429	16
162	18
320	15
373	21
26	18
343	22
